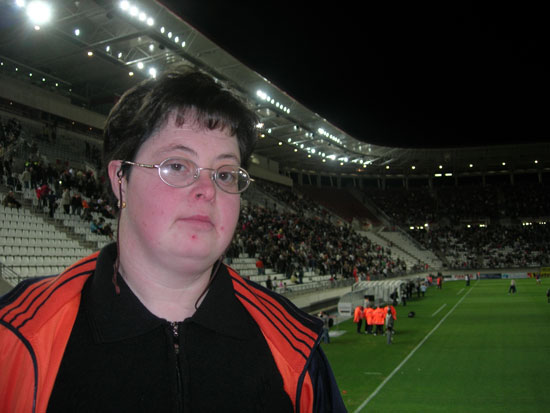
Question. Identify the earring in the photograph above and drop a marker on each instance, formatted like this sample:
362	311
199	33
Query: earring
123	205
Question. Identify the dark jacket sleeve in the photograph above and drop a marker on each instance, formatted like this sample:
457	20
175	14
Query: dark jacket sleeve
326	391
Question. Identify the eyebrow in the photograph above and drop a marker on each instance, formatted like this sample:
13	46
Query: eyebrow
179	147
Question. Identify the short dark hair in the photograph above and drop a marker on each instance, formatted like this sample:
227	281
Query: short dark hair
193	96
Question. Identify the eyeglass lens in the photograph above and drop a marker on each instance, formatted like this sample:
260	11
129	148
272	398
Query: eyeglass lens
183	172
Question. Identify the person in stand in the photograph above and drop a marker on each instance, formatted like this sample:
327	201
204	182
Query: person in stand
10	201
107	230
66	200
76	204
269	283
260	266
136	326
358	317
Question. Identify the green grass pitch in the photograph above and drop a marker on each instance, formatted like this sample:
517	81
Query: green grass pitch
468	349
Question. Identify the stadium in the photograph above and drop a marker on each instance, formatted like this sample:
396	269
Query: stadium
328	221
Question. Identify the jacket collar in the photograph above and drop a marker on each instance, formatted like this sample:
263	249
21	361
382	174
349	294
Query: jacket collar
118	317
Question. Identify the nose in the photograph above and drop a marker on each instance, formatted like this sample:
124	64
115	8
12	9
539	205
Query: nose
204	186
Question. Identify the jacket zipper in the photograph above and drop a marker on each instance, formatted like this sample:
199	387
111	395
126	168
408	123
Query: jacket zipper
179	391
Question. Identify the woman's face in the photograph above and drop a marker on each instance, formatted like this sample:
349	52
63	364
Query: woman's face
187	228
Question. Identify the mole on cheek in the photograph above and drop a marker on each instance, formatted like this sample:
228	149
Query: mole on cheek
193	236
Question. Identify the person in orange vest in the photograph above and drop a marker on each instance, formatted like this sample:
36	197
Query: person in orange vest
393	311
439	281
368	314
358	317
378	320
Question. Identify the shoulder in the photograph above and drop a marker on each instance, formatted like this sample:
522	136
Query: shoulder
271	303
35	300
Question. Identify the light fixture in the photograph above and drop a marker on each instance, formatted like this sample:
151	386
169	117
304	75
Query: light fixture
39	12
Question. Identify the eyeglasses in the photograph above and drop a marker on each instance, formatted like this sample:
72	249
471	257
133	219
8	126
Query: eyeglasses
181	172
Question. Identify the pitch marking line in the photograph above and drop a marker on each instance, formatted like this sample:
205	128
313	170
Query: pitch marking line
440	308
460	291
387	379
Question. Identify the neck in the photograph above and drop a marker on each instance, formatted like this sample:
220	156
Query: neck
172	297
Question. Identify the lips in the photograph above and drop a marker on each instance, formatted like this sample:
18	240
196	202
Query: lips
199	221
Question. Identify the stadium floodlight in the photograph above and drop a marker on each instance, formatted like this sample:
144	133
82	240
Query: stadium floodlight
39	12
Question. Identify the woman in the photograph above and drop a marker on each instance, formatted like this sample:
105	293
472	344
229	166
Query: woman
156	322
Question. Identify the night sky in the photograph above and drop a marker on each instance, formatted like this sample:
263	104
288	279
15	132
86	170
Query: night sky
396	73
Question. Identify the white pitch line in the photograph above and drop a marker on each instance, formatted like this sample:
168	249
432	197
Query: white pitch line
375	392
460	291
440	308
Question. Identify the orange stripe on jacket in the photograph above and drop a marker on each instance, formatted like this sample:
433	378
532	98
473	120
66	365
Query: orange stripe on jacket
289	340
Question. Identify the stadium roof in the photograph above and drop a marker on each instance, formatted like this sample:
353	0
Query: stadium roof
93	51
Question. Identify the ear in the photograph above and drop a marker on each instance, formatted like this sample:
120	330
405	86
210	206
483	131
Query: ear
118	182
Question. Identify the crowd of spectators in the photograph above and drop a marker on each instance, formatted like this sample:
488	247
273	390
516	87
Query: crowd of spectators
492	246
304	237
474	226
417	206
54	184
